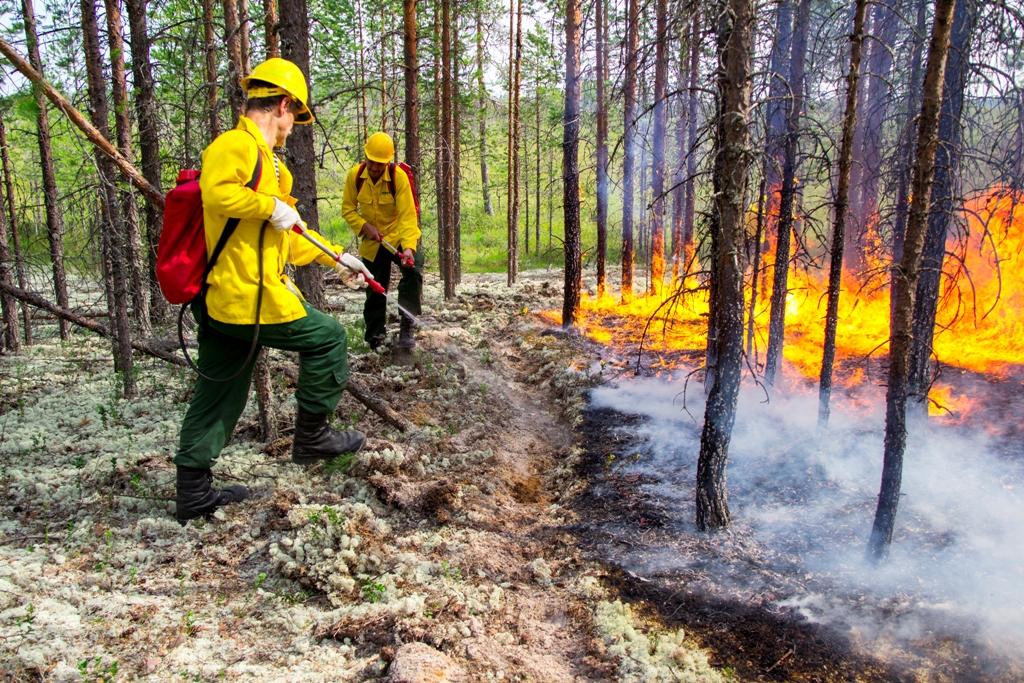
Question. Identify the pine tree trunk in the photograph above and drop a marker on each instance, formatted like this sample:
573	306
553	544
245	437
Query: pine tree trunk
485	182
754	270
885	23
149	144
113	232
835	273
456	150
11	337
778	93
691	145
602	148
439	178
243	37
412	87
658	199
900	337
678	193
54	225
629	148
270	28
536	222
780	284
447	170
514	134
905	164
210	50
265	397
720	414
12	223
945	190
133	249
570	165
302	161
233	41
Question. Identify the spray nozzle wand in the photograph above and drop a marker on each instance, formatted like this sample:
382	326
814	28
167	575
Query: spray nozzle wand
372	284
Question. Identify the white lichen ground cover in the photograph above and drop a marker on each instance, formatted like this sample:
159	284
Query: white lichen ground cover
449	535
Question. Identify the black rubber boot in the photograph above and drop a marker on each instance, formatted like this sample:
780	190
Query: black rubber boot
406	340
315	441
196	498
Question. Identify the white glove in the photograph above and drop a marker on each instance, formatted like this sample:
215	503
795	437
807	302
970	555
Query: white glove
284	216
354	273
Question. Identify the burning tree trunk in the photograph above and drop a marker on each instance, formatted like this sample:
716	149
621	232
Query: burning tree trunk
658	156
12	215
720	414
294	33
113	228
906	155
629	148
149	143
900	337
54	227
270	28
485	182
944	190
780	285
602	151
133	249
570	164
514	135
835	273
210	48
234	45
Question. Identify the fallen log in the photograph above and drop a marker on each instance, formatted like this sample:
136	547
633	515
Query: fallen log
355	387
39	302
361	393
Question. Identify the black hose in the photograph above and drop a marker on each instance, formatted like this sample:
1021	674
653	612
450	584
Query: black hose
255	332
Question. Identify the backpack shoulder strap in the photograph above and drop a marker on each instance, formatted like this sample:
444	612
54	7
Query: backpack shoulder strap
232	223
359	177
391	183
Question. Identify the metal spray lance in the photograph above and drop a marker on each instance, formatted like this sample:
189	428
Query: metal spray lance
372	284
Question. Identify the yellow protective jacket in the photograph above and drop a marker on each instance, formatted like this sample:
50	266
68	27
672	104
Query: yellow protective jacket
228	164
395	217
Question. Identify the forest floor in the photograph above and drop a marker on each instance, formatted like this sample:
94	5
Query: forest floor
457	550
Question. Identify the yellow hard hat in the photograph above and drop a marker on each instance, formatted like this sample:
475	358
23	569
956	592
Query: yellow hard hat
380	148
289	81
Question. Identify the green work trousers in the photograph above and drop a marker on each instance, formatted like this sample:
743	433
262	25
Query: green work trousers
410	290
322	345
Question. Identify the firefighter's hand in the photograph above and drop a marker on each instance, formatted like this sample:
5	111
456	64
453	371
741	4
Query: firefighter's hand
284	216
371	232
408	258
353	272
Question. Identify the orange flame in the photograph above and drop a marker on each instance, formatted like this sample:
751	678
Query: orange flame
980	322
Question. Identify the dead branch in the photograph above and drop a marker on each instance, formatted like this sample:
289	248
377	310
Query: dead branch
39	302
75	116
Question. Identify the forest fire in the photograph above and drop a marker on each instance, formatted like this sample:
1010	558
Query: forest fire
981	310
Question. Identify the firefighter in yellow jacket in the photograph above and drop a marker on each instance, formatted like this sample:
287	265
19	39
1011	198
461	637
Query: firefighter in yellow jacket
243	182
379	207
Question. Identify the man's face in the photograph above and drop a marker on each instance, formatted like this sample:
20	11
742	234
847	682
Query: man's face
285	120
375	168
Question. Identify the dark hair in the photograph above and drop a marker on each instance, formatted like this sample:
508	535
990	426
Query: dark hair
262	103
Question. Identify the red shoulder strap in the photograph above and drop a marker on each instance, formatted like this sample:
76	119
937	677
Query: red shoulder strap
359	177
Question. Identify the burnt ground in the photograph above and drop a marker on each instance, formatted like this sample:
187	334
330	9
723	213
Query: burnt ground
752	637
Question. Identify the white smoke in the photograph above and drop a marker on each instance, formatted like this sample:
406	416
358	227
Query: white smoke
805	505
